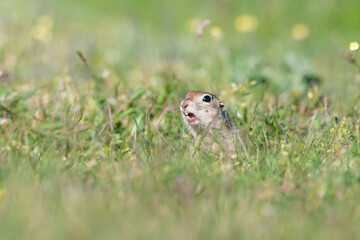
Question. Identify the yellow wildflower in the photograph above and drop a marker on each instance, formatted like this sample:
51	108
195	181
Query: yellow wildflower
192	24
246	23
216	32
299	32
310	95
42	30
354	46
2	192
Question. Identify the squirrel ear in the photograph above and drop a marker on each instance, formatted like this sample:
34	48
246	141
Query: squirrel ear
225	114
221	104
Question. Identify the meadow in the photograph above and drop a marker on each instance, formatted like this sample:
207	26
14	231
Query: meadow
92	144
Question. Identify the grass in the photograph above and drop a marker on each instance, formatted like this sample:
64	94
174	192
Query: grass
92	145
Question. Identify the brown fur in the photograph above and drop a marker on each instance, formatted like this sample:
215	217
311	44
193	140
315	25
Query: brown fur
213	130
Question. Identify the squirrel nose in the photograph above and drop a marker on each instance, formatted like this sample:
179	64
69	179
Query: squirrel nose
185	105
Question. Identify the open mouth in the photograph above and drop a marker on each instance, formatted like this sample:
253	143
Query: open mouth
191	117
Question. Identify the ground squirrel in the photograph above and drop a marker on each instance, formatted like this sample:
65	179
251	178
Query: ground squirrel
207	119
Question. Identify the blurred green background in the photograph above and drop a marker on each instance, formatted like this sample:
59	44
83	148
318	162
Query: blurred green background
66	174
124	36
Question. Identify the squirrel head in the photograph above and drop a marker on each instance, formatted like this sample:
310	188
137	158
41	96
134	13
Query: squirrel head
203	110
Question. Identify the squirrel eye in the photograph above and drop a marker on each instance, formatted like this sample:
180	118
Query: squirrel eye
207	98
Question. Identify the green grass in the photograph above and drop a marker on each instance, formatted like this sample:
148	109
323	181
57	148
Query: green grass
93	148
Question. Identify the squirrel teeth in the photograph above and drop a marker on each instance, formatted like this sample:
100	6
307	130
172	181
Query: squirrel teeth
191	117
